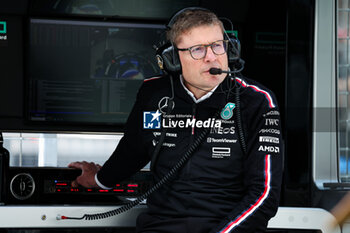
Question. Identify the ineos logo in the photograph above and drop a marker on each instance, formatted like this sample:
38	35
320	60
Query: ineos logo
164	103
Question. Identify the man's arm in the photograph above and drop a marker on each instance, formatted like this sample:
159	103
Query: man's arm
129	156
263	173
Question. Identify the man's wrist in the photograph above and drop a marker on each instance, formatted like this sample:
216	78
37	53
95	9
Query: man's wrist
100	184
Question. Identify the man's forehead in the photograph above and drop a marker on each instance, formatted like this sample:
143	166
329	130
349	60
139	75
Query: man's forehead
195	36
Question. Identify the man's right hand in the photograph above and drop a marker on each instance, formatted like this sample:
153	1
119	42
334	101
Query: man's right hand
88	172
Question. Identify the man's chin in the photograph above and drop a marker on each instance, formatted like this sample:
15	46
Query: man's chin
214	80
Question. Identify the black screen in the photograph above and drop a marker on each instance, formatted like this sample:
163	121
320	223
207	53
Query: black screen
11	70
87	73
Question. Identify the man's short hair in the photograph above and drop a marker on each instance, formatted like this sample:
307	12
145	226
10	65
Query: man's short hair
189	19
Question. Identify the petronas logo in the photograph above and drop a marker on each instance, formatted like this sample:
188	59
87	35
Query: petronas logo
227	111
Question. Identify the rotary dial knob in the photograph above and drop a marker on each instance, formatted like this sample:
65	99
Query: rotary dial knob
22	186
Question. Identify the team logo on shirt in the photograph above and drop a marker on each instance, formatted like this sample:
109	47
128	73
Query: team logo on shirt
220	152
163	104
227	111
152	120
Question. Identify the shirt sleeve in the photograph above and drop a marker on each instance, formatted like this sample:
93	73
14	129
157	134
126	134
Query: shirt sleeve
100	184
262	177
130	154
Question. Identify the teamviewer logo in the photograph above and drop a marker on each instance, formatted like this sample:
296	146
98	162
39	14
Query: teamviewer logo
3	27
151	120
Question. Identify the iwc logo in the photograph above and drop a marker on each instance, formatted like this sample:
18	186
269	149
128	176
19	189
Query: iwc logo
227	111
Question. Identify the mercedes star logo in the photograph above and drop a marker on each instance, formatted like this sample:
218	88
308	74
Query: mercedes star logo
164	103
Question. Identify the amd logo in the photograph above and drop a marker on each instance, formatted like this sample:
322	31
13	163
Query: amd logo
271	149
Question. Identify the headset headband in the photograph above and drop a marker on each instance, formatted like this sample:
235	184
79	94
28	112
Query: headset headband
168	58
174	17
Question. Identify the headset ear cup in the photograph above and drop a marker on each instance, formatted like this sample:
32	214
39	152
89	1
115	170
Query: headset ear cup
234	55
168	59
234	50
171	60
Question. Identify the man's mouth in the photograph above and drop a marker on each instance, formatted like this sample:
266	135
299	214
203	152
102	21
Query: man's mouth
207	71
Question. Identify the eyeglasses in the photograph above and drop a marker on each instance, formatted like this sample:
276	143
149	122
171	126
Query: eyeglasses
200	51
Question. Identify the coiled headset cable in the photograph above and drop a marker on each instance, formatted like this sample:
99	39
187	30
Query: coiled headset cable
171	174
241	135
171	104
167	178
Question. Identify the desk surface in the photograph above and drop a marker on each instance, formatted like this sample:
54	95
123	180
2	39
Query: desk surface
46	217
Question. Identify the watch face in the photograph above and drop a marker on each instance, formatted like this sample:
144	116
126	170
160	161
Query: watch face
22	186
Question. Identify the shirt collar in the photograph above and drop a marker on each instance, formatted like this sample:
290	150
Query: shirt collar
204	97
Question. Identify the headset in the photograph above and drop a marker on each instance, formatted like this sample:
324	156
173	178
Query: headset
169	61
167	55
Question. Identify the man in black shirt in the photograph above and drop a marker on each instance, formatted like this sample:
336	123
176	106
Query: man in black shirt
231	183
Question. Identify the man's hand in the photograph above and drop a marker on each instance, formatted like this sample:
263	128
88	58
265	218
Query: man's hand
88	172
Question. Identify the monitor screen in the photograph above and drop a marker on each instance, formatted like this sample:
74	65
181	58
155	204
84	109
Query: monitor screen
11	70
87	73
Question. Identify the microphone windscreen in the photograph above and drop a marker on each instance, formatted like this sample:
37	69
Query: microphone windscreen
215	71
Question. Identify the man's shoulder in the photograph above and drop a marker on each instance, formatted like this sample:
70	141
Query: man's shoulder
155	85
156	80
254	91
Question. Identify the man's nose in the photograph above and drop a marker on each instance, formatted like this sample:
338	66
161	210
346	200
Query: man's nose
210	56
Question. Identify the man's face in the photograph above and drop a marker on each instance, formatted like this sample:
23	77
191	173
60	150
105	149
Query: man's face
196	72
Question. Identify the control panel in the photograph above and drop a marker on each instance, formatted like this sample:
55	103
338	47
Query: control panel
53	186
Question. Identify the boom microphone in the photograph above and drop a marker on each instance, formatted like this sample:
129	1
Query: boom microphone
216	71
238	67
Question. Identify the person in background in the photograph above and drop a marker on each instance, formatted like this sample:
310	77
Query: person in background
341	211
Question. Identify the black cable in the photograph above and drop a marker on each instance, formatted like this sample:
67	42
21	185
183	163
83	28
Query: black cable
239	121
163	134
241	136
167	178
